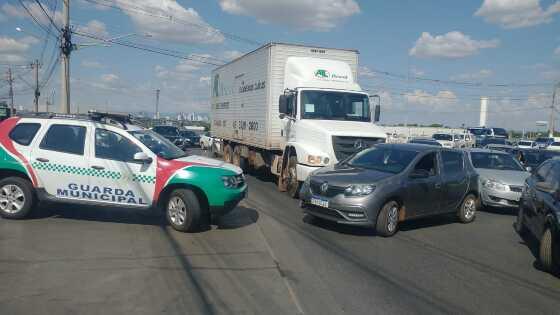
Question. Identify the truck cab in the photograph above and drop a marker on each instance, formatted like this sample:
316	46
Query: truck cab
326	117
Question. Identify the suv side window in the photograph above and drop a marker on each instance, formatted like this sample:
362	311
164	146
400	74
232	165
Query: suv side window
428	163
65	138
452	162
24	133
113	146
542	171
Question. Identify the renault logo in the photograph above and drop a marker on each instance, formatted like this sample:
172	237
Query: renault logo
324	187
358	144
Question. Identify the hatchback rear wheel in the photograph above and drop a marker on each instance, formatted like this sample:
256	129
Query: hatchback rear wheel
388	219
467	210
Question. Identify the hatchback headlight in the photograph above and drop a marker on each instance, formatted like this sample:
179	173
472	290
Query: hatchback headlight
495	185
359	190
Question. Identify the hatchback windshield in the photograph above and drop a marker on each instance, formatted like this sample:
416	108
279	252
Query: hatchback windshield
158	144
383	158
443	136
334	106
495	161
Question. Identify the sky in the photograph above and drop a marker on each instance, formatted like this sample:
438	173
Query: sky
430	61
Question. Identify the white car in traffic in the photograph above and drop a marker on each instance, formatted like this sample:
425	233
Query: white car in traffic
445	139
526	144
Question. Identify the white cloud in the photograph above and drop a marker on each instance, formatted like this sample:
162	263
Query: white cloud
550	74
179	24
94	27
511	14
451	45
109	78
416	72
478	75
557	51
232	54
318	15
91	64
13	11
184	69
13	50
19	12
365	72
424	98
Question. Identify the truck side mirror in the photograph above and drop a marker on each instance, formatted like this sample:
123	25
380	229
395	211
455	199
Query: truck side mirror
377	113
283	104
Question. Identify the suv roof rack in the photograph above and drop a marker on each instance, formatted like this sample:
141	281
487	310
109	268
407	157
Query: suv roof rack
111	118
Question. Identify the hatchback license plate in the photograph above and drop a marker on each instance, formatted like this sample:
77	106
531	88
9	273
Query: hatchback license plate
320	202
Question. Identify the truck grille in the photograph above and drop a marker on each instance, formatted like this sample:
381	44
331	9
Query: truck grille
345	146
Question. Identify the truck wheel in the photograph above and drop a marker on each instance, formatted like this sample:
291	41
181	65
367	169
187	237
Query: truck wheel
467	210
16	198
183	210
228	154
388	219
546	251
238	160
292	182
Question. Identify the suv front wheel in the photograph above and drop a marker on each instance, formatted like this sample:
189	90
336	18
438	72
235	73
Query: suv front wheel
183	210
16	198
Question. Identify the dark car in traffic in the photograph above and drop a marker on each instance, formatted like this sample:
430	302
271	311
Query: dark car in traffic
539	212
389	183
532	158
491	141
172	134
192	137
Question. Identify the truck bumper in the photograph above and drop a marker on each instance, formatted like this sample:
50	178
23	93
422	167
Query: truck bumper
304	170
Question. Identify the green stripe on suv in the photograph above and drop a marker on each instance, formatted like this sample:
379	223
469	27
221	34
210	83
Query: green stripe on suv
87	171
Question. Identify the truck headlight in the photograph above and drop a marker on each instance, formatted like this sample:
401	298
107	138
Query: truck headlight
317	160
359	190
495	185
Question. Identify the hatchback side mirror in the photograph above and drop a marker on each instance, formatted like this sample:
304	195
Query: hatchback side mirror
142	157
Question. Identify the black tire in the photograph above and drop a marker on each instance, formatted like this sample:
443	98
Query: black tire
192	212
26	201
228	154
292	183
388	219
467	211
519	225
546	251
238	160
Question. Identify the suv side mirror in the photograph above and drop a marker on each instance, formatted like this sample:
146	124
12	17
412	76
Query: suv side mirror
283	104
142	157
545	187
419	173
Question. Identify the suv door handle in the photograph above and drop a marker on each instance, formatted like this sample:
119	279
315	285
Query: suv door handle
97	167
42	160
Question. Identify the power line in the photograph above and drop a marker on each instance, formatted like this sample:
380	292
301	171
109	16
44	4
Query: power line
46	29
48	16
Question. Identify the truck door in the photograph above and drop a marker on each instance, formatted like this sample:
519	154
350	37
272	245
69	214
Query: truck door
288	123
60	160
121	179
454	179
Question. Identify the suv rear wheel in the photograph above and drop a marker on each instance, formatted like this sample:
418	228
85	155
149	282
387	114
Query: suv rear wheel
467	210
183	210
546	251
16	198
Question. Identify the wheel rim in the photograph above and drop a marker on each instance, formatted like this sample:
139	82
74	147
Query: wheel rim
12	198
177	211
292	178
470	208
392	218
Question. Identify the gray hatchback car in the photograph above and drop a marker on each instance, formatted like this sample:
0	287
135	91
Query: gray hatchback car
389	183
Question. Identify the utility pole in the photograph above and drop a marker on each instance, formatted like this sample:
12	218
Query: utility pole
35	67
66	49
11	93
552	111
157	103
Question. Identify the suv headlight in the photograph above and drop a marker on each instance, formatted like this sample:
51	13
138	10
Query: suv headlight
359	190
233	181
495	185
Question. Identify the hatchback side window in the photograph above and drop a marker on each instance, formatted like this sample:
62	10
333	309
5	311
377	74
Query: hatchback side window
113	146
452	162
428	163
65	138
24	133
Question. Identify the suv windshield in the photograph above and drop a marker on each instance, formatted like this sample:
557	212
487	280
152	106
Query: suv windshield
443	136
384	159
330	105
158	144
495	161
167	130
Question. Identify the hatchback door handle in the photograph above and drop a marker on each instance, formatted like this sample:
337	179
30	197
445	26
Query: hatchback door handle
42	160
97	167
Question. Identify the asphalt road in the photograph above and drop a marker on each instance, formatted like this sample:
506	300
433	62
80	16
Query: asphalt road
266	257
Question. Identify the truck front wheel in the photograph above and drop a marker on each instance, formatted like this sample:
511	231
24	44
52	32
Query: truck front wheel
183	210
227	153
292	182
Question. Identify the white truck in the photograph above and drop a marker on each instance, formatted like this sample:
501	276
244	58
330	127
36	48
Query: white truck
292	109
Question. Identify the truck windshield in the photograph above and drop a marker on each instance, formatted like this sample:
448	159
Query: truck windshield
158	144
329	105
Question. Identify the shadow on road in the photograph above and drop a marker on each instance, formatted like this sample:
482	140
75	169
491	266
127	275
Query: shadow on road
501	211
239	217
532	244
